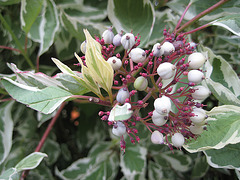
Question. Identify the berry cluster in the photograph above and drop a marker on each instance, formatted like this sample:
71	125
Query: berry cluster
169	74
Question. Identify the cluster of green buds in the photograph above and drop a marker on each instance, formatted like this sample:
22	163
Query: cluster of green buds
168	77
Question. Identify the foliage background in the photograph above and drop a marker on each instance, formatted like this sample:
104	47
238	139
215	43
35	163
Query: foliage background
80	146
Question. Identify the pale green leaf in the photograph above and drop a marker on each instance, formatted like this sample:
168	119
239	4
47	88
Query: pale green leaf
221	79
231	23
132	15
31	161
222	129
98	68
225	157
120	113
45	100
8	174
29	12
133	162
6	129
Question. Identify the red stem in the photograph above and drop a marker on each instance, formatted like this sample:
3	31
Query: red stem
197	29
207	11
180	20
9	48
37	64
44	137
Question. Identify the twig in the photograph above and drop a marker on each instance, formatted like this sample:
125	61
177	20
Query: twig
45	135
9	48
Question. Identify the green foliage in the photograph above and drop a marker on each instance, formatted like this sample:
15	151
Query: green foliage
80	146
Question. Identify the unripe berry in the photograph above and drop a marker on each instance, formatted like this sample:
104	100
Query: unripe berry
196	60
115	62
157	137
200	93
195	129
117	39
140	83
83	47
195	76
162	105
137	55
192	45
158	119
120	129
122	95
200	116
128	41
157	50
168	48
108	36
177	140
166	70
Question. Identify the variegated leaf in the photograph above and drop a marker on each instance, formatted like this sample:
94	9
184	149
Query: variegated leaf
222	129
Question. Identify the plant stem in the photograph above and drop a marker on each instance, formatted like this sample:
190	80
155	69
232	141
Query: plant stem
16	41
9	48
197	29
180	20
45	135
207	11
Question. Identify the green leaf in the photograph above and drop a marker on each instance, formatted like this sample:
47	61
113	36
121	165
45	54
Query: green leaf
45	26
223	129
231	23
29	12
221	79
133	162
200	167
178	160
8	2
120	113
31	161
6	129
132	15
52	149
154	171
45	100
225	157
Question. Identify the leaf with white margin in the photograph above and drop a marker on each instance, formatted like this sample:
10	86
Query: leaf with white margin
45	26
31	161
178	160
226	157
200	167
133	162
8	174
120	113
45	100
231	23
29	13
223	129
132	15
221	79
6	129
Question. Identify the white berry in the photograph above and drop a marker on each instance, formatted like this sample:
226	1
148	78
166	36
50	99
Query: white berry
162	105
195	129
122	95
199	116
196	60
115	62
140	83
159	119
108	36
157	137
200	93
168	48
120	129
137	55
157	50
195	76
166	70
128	41
177	140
